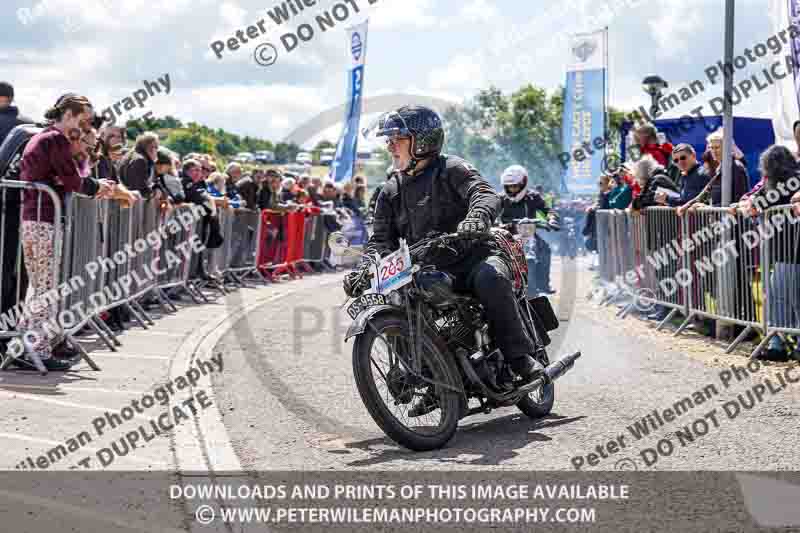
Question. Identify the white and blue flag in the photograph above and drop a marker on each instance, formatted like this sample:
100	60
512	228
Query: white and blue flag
344	162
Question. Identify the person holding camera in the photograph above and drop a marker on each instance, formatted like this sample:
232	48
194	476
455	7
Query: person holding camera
59	157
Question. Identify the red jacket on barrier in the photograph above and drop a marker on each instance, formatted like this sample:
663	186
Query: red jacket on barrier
271	249
282	241
295	232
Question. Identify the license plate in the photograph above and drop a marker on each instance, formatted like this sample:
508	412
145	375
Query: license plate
362	302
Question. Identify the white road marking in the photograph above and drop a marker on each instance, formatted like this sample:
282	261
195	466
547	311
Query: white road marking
36	440
61	388
119	355
61	403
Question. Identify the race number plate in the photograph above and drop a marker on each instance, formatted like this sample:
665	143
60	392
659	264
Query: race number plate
364	301
394	270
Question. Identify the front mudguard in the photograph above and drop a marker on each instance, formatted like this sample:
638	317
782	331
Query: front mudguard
359	324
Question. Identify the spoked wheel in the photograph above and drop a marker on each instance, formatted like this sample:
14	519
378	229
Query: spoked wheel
415	402
538	403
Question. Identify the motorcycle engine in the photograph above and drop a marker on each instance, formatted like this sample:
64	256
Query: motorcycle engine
452	327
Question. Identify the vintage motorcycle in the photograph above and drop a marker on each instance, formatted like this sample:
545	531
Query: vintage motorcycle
415	336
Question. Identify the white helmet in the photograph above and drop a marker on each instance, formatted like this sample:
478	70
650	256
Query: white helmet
515	175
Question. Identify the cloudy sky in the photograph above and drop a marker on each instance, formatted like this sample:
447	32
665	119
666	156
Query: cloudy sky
447	49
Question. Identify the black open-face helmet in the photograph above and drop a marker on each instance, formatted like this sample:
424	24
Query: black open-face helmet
420	123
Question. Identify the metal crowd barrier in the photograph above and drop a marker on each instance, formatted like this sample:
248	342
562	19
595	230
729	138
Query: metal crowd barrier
709	263
107	258
218	259
282	244
604	242
246	236
616	238
723	270
236	258
316	240
177	275
780	228
84	269
655	235
13	276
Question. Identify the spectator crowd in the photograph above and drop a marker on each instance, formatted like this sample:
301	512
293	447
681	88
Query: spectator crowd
72	150
661	174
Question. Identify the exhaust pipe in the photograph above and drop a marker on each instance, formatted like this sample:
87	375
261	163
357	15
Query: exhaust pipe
558	368
554	370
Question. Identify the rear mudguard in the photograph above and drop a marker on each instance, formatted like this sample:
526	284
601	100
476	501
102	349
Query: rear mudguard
359	324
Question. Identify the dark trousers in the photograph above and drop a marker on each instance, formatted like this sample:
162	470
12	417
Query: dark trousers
196	267
14	281
489	279
543	255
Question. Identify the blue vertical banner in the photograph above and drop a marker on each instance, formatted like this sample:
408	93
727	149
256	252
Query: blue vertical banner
794	19
344	162
585	112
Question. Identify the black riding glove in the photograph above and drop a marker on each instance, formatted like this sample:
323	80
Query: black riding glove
356	282
473	224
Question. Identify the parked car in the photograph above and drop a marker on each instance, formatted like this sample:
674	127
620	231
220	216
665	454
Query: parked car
265	156
304	158
244	157
297	170
326	156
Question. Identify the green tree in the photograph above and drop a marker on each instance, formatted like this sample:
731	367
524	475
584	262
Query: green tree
193	140
316	152
322	145
494	130
529	128
225	147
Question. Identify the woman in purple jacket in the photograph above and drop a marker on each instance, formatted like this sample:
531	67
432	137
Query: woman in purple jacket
50	159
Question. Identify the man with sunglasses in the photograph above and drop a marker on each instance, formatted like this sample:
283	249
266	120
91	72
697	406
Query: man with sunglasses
693	174
431	192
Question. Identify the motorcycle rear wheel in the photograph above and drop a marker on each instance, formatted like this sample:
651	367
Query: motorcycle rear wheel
538	403
398	385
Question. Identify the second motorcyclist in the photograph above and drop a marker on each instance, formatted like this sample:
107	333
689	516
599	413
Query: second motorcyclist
518	202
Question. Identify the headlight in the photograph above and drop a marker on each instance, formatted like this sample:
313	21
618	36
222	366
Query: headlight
526	229
395	298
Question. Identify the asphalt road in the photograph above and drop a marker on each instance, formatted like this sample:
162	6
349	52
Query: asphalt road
289	401
286	411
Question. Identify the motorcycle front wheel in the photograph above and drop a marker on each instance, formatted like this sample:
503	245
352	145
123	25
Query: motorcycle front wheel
391	383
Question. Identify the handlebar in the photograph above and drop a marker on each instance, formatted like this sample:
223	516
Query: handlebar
543	224
439	241
484	235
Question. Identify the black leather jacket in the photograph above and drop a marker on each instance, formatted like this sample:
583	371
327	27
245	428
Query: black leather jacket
446	192
647	198
529	207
